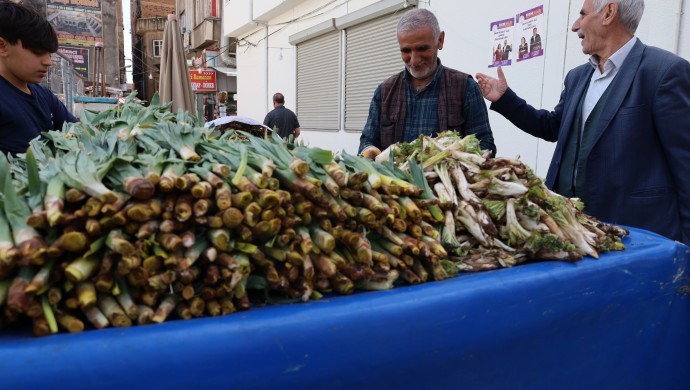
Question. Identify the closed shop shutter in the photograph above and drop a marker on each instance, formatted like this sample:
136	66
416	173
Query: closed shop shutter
318	82
372	54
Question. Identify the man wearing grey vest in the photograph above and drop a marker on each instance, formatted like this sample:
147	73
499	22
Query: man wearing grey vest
622	124
426	97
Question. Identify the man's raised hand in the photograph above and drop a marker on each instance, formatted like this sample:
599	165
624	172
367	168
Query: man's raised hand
492	88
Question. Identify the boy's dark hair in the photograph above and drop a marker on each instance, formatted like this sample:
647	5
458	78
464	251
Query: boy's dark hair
21	22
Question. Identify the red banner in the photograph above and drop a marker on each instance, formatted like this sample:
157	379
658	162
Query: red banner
203	80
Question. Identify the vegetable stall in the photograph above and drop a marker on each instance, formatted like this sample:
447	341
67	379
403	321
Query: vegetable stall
135	216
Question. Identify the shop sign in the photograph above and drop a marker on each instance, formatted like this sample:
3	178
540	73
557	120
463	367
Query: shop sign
79	57
203	80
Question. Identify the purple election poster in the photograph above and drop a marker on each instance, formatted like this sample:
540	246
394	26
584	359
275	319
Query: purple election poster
501	41
529	32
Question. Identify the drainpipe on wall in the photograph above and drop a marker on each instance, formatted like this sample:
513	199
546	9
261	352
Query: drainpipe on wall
679	17
268	93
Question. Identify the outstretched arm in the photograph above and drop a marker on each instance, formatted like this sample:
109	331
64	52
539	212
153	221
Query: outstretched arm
540	123
492	88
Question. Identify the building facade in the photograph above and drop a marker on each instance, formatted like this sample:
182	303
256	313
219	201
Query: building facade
327	57
148	19
209	55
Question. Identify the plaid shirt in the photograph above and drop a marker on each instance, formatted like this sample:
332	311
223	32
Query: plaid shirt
422	113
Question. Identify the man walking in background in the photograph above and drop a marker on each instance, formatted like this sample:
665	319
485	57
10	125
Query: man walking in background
281	119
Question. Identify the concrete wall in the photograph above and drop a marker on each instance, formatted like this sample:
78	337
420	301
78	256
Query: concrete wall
152	9
111	42
266	61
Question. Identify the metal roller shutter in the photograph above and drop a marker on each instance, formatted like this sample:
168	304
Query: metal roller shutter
372	54
318	82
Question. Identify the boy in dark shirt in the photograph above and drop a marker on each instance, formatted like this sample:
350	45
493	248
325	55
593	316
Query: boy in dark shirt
26	108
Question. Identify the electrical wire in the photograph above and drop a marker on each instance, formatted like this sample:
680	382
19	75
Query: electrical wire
149	68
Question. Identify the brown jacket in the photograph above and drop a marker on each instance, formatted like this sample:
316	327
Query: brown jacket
393	105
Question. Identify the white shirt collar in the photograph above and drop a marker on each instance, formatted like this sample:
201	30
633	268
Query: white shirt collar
616	60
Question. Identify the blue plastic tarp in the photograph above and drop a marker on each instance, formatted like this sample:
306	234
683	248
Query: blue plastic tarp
621	322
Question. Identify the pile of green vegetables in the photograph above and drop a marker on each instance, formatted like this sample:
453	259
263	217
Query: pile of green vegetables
498	213
135	215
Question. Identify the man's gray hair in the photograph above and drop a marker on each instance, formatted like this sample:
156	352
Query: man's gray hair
419	18
630	11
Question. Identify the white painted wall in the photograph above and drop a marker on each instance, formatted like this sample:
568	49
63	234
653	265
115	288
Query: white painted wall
259	79
267	64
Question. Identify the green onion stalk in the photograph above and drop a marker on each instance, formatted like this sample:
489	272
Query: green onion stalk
382	281
186	181
8	252
118	242
35	190
336	172
223	197
160	282
86	294
82	268
179	137
31	245
18	299
112	311
208	175
191	255
70	323
375	178
152	165
74	242
184	207
73	195
54	201
40	279
78	170
420	181
49	315
126	178
169	176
